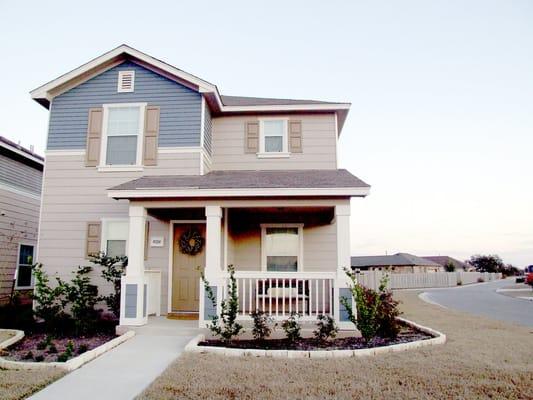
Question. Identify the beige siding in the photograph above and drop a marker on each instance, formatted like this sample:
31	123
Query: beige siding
320	249
318	138
74	194
19	224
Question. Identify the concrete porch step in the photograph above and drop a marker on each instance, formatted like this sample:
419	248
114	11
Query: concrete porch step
187	316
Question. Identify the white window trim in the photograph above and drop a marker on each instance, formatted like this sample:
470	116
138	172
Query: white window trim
264	154
103	151
103	239
17	287
119	86
300	244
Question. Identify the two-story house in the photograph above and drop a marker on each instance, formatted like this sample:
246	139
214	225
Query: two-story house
21	173
147	160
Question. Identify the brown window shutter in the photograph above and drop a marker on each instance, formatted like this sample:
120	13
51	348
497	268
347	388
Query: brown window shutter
94	136
151	133
146	239
295	136
251	140
94	232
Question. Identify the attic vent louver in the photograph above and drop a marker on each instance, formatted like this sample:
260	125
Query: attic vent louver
126	81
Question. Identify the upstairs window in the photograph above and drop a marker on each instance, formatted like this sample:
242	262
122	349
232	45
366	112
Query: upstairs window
25	261
122	139
273	136
126	81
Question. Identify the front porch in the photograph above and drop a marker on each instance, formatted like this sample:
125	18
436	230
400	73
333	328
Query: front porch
288	256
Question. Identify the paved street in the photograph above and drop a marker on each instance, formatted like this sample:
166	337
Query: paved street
482	299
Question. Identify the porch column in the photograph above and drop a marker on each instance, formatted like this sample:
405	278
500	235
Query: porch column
133	295
213	263
342	221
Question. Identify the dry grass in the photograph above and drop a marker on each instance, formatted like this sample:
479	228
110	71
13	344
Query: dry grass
19	384
482	359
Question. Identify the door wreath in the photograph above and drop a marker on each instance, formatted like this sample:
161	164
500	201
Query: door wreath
191	242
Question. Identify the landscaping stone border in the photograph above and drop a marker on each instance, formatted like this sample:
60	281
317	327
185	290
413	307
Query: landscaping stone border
70	365
17	335
438	338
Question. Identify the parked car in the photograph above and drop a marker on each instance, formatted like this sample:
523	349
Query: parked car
529	275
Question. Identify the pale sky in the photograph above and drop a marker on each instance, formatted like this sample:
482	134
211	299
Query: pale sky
441	123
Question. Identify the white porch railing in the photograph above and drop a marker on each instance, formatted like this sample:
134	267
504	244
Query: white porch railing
281	293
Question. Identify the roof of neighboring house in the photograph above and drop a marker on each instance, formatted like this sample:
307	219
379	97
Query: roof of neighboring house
443	260
399	259
249	182
21	152
219	105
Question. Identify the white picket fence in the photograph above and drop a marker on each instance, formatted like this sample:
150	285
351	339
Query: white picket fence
372	279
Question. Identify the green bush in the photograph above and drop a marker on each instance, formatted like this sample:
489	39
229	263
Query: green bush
292	328
28	356
113	270
39	358
225	325
262	321
376	310
83	297
82	348
52	349
326	328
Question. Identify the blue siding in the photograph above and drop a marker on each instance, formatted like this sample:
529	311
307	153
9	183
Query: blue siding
210	310
19	175
131	301
343	313
207	130
180	108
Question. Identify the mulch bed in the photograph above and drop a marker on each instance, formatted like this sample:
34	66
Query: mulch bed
21	350
407	334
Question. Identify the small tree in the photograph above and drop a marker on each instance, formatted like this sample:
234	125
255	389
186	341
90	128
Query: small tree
261	329
489	263
225	326
83	296
326	328
449	267
292	327
112	272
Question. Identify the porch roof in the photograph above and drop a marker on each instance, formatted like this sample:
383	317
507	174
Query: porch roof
336	182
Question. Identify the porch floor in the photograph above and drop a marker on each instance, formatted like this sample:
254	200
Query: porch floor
129	368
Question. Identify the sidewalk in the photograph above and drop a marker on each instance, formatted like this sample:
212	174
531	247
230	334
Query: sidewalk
125	371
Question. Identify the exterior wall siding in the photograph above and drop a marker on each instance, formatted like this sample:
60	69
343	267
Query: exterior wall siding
19	175
180	107
319	145
74	195
19	225
208	127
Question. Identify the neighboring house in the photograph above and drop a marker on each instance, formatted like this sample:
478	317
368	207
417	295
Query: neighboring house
147	160
396	263
21	172
445	260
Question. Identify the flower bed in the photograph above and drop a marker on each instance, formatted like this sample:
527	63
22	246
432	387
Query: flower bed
42	348
407	334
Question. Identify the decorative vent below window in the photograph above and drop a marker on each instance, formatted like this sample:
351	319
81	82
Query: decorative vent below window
126	81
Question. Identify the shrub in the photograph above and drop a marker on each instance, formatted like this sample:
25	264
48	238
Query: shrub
480	280
262	321
326	328
292	328
225	325
82	348
112	272
39	358
28	356
449	267
44	343
52	349
62	357
376	311
459	283
49	302
83	296
69	352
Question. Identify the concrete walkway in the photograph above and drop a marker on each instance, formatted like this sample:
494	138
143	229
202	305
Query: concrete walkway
125	371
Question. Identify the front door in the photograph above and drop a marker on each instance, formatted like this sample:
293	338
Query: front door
186	270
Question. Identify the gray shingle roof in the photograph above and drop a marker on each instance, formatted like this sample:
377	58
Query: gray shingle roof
248	179
395	259
443	260
264	101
